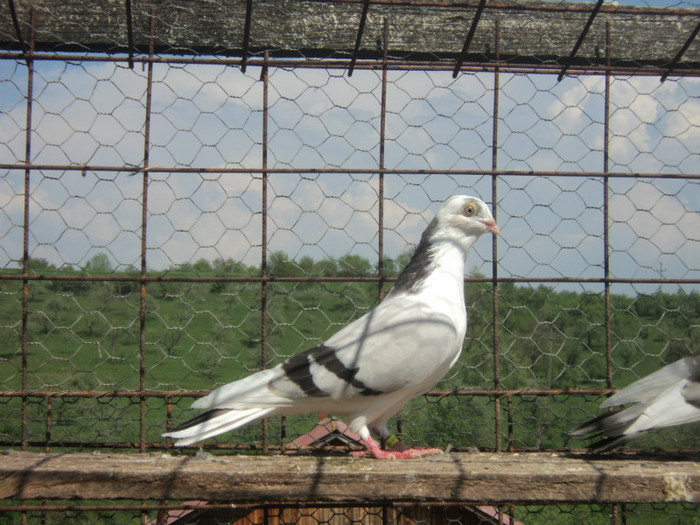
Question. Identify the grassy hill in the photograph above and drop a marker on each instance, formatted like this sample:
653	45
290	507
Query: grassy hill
200	335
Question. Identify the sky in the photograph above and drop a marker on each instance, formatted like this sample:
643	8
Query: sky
211	116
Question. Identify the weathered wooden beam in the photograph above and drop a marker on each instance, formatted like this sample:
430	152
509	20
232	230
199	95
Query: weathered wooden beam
464	478
532	32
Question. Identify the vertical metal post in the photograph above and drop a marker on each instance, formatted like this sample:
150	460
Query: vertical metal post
511	423
382	153
265	76
382	149
168	418
25	230
623	513
144	221
49	422
494	246
606	214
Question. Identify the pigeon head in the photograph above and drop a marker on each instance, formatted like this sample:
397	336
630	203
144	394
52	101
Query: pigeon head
461	221
463	215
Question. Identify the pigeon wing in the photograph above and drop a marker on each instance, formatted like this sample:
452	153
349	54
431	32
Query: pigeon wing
399	345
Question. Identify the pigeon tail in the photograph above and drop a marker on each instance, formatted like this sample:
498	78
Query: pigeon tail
215	422
668	397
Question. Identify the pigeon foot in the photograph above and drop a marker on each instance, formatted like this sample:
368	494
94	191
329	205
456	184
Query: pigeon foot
398	451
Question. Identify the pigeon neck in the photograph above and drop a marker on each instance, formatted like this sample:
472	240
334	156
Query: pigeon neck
437	257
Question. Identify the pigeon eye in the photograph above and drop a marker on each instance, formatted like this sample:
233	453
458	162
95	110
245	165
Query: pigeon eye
470	209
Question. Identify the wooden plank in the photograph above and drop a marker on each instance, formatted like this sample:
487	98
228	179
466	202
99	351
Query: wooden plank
464	478
532	32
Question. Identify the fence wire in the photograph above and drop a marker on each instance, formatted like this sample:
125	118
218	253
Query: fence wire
168	227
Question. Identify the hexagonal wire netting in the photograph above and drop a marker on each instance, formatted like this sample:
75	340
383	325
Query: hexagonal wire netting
187	224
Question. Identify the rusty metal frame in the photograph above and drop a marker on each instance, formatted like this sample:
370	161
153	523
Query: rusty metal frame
394	64
606	214
503	398
25	233
352	171
265	78
382	157
494	246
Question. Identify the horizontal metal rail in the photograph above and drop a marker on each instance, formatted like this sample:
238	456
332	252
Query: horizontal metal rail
393	65
133	170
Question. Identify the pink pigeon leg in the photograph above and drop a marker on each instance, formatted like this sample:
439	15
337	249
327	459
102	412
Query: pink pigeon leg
398	451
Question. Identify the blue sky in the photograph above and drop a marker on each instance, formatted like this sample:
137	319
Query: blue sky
211	116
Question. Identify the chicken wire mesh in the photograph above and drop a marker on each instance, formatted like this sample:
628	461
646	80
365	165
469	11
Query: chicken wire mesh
186	224
563	233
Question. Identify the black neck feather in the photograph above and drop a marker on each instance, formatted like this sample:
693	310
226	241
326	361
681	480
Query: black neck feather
420	265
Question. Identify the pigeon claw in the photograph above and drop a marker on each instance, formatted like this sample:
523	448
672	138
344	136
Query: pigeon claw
398	451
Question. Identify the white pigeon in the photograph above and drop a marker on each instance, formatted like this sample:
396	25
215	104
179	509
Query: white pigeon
368	370
668	397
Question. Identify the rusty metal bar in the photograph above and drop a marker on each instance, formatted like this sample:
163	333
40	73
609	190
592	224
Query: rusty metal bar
358	41
382	156
470	37
606	213
168	418
345	171
265	76
511	425
246	34
399	65
144	227
172	394
49	421
583	34
350	279
18	31
680	53
385	55
130	34
494	240
25	231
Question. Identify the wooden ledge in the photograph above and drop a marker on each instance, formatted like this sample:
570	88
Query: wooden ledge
465	478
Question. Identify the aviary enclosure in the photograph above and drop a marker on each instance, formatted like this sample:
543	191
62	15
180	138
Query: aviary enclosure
192	190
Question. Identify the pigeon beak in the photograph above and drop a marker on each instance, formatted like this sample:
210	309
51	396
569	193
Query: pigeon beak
492	226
